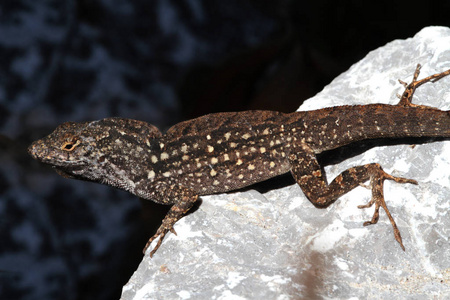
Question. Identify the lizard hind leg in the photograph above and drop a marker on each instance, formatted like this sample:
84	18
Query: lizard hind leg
406	97
309	176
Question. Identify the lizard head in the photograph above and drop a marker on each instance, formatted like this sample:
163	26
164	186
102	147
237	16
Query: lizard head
88	150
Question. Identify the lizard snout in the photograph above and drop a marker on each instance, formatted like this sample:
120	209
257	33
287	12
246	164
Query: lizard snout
35	150
38	150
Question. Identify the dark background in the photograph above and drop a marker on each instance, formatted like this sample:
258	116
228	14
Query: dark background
158	61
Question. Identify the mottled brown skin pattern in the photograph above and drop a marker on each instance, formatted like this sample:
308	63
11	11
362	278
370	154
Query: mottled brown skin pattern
226	151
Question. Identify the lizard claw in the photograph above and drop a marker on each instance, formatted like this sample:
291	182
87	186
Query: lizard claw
161	233
377	183
405	84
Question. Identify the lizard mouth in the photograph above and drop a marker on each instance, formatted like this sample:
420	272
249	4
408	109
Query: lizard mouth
67	172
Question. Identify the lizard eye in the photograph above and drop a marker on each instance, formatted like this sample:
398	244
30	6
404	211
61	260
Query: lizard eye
70	144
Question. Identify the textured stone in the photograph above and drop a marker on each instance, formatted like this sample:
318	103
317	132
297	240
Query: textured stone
248	245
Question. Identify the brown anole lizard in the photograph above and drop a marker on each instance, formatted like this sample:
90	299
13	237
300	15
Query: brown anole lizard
222	152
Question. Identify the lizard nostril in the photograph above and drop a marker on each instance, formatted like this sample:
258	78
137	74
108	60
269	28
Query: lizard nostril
33	150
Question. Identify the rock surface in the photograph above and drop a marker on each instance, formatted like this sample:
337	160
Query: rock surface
277	245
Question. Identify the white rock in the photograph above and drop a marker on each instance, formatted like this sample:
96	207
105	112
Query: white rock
277	245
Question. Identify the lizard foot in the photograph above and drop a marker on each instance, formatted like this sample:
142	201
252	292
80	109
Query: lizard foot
406	97
161	233
175	213
377	183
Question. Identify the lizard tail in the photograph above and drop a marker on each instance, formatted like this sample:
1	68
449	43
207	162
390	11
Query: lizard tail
334	127
410	121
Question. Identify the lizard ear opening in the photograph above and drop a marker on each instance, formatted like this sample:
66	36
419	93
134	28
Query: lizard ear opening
70	145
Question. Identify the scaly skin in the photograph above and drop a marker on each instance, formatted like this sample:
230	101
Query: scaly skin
226	151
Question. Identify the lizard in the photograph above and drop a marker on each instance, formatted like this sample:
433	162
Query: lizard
222	152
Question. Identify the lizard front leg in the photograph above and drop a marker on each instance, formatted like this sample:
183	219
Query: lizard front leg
308	174
183	200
